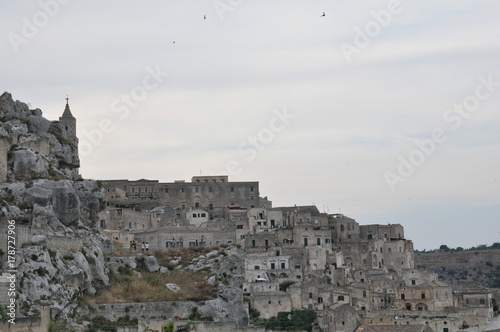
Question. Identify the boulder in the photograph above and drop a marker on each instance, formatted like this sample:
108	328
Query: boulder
38	124
38	239
151	263
28	165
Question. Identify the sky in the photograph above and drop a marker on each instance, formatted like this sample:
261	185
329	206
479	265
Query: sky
385	111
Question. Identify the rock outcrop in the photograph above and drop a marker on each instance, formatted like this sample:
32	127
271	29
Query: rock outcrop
60	255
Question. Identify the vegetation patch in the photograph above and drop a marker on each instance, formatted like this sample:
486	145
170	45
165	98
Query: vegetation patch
127	287
187	254
296	320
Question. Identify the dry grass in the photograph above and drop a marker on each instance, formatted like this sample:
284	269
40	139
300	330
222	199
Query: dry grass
187	254
151	287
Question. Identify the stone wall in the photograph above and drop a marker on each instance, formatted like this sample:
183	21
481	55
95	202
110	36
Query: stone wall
152	325
146	310
457	258
38	324
23	235
64	245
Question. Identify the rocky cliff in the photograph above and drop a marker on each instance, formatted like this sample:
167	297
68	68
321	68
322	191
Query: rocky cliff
59	254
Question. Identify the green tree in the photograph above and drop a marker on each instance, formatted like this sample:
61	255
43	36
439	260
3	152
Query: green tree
444	247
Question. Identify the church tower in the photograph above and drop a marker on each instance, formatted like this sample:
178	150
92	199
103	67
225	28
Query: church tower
68	122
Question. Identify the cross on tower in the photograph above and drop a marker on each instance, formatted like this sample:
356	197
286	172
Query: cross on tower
67	100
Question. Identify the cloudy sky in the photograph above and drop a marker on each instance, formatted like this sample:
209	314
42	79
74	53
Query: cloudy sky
386	111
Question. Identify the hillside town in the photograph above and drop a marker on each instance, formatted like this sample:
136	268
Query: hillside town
75	237
349	274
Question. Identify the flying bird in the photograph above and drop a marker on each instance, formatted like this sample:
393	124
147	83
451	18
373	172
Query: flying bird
323	14
204	17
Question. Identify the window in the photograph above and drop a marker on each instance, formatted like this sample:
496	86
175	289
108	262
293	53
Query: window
402	296
341	298
166	190
310	295
422	295
232	189
251	188
318	241
203	215
253	243
305	242
210	189
320	300
256	267
364	293
103	223
196	189
481	301
273	266
210	206
239	226
297	267
413	282
194	215
182	190
252	197
282	265
242	237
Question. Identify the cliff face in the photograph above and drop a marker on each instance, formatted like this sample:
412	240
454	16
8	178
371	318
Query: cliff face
59	255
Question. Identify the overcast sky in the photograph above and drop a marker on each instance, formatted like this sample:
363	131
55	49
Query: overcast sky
385	111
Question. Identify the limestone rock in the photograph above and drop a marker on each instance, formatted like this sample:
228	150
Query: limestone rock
38	124
28	165
38	239
173	287
65	202
151	263
227	307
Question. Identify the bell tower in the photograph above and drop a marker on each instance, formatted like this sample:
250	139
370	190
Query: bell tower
68	122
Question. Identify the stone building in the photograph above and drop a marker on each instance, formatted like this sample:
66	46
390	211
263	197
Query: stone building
212	193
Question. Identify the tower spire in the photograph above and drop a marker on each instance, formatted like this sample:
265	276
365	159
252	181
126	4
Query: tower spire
67	111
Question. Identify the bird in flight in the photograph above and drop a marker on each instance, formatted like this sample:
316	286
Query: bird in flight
204	17
323	14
